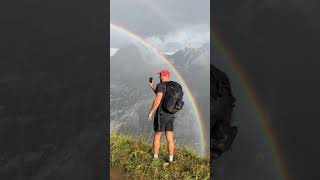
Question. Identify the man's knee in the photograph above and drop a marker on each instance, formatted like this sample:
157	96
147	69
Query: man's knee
169	135
157	134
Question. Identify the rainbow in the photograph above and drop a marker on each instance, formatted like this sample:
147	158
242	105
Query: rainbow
263	116
183	83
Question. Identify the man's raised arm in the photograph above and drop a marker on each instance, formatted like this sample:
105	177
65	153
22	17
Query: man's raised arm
151	86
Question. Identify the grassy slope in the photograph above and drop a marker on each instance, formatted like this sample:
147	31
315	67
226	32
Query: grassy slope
134	157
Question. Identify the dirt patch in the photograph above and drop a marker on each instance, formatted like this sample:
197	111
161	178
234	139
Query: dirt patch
116	174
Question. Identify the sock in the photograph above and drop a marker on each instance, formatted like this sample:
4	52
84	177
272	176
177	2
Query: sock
155	156
171	158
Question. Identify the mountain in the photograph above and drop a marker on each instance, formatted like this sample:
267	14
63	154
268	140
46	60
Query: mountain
190	58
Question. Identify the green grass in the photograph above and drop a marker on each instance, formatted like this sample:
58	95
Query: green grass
134	157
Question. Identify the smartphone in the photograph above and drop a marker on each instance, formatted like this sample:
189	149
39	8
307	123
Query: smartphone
150	79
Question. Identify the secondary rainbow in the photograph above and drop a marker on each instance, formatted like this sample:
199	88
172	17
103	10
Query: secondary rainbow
183	83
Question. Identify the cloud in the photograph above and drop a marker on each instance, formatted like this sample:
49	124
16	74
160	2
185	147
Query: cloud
113	51
191	36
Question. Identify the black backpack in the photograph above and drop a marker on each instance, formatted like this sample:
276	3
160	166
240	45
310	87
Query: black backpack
172	101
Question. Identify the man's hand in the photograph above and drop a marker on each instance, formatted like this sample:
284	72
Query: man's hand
149	116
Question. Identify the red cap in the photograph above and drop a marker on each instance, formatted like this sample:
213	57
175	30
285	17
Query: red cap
165	72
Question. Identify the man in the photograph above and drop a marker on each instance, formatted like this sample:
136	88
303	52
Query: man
163	121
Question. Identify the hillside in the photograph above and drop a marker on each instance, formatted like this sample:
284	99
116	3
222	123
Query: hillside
134	157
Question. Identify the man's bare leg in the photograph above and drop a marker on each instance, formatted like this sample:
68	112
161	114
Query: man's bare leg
156	144
169	137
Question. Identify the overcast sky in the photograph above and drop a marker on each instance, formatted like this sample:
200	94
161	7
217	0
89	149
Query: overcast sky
168	26
151	17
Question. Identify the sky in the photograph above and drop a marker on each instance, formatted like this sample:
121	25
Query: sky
150	17
168	25
275	43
